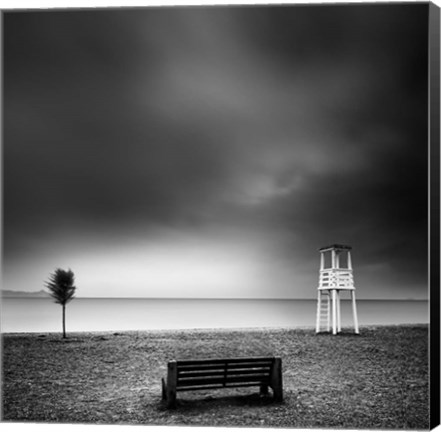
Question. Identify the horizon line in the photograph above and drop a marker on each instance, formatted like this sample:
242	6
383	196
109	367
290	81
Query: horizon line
212	298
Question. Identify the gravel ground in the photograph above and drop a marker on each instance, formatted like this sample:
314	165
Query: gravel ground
376	380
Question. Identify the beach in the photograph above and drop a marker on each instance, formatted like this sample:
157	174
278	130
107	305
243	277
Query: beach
376	380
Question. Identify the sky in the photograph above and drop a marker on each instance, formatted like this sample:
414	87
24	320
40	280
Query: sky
211	151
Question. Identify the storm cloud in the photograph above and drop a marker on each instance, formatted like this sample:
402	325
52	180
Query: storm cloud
251	135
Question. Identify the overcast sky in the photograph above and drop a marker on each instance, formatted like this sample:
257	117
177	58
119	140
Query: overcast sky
210	152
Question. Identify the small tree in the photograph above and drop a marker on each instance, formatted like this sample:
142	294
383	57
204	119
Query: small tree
61	288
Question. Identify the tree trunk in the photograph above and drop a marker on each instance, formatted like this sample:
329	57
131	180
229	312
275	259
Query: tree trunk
64	321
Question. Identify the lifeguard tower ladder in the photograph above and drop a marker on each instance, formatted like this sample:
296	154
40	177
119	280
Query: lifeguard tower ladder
333	280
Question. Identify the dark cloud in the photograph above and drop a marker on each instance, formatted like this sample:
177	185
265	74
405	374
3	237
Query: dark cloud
294	126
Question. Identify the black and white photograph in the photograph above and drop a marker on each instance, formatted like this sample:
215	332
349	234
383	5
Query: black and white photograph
221	216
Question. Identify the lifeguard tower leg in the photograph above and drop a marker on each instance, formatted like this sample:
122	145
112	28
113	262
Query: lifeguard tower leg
334	312
319	305
328	328
354	312
338	313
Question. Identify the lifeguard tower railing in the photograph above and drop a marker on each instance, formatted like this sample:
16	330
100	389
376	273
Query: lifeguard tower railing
336	278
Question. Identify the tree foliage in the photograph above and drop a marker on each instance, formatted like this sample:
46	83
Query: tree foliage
61	286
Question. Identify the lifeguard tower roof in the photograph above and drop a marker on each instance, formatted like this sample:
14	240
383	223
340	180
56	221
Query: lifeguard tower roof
335	246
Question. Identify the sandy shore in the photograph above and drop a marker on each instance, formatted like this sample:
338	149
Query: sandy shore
378	379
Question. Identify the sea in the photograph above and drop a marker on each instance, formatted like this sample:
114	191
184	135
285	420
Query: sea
41	315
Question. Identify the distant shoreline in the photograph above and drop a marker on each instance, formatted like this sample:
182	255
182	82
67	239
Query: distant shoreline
46	295
24	294
311	328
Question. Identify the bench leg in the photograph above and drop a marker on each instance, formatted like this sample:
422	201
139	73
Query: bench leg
264	389
276	380
164	389
171	398
172	380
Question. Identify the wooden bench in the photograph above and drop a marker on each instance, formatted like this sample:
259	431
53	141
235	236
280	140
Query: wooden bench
189	375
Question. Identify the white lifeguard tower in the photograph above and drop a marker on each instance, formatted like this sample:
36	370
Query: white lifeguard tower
335	276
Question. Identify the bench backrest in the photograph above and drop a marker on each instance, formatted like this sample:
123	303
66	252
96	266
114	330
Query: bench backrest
218	373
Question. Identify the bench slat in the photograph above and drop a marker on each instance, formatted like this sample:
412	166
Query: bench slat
226	360
224	365
218	387
222	380
222	372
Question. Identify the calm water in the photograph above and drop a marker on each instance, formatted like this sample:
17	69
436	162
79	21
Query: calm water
42	315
